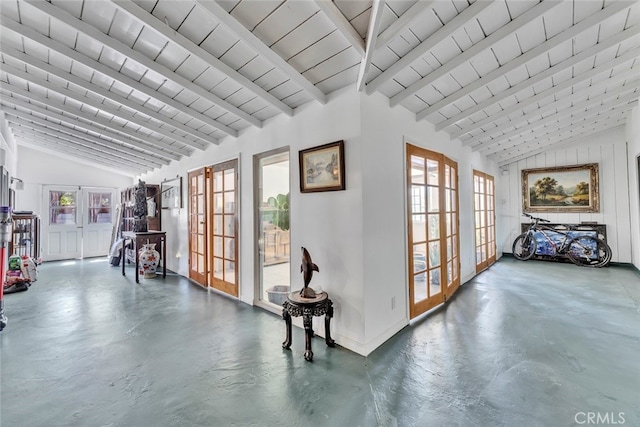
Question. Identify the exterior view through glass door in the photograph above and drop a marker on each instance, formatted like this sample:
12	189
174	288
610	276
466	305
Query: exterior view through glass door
198	211
78	222
434	261
271	189
224	250
485	217
62	231
97	221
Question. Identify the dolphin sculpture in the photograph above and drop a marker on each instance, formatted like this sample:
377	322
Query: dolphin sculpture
307	268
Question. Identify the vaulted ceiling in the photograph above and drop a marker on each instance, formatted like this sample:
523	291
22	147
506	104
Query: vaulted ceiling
133	85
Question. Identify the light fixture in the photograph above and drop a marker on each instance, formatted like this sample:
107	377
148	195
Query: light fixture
19	183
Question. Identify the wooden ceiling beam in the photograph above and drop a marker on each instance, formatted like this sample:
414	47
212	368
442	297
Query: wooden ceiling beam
70	146
118	99
521	60
549	93
55	46
134	55
100	120
574	113
372	34
403	22
423	48
153	23
25	119
248	37
343	25
66	92
509	158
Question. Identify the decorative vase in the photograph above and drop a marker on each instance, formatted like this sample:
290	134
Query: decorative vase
148	259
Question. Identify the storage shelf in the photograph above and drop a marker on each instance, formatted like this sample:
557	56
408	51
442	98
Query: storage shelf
26	228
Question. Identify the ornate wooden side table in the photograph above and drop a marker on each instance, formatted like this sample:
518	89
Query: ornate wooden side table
297	306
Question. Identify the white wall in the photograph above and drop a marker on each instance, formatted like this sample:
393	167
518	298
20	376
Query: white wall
633	150
357	236
328	224
384	132
608	149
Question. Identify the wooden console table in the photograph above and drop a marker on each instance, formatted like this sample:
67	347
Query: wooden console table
139	239
297	306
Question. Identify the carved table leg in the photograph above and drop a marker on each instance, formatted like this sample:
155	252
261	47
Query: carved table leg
307	320
287	320
327	325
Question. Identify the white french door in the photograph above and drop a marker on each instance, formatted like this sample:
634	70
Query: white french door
78	222
97	221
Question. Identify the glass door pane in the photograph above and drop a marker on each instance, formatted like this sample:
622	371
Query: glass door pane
484	216
224	250
272	226
198	210
432	188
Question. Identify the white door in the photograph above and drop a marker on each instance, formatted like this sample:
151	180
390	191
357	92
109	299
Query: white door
97	221
62	228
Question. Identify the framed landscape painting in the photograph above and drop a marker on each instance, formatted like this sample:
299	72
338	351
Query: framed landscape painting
322	168
561	189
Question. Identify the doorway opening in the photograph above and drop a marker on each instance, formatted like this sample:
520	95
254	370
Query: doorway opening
484	219
273	234
434	246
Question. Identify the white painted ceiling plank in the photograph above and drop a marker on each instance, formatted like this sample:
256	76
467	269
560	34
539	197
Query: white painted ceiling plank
548	45
163	30
524	151
467	55
102	69
90	117
111	95
403	22
561	117
139	57
424	47
555	106
61	150
23	118
626	57
236	27
54	151
342	24
69	143
47	132
612	41
151	125
509	158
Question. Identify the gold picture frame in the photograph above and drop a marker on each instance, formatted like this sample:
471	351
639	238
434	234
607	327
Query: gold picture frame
322	168
561	189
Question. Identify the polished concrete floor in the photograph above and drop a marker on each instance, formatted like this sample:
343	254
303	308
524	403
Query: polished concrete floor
523	344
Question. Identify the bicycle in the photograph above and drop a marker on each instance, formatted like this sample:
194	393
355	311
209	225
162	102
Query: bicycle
585	251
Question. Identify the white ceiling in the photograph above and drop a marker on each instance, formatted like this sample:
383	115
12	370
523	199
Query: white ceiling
133	85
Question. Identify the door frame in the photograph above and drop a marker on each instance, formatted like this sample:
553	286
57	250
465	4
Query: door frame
489	260
232	289
205	172
447	287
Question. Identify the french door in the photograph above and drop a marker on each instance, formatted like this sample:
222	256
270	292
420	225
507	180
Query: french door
484	217
198	213
434	246
213	226
79	222
224	248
